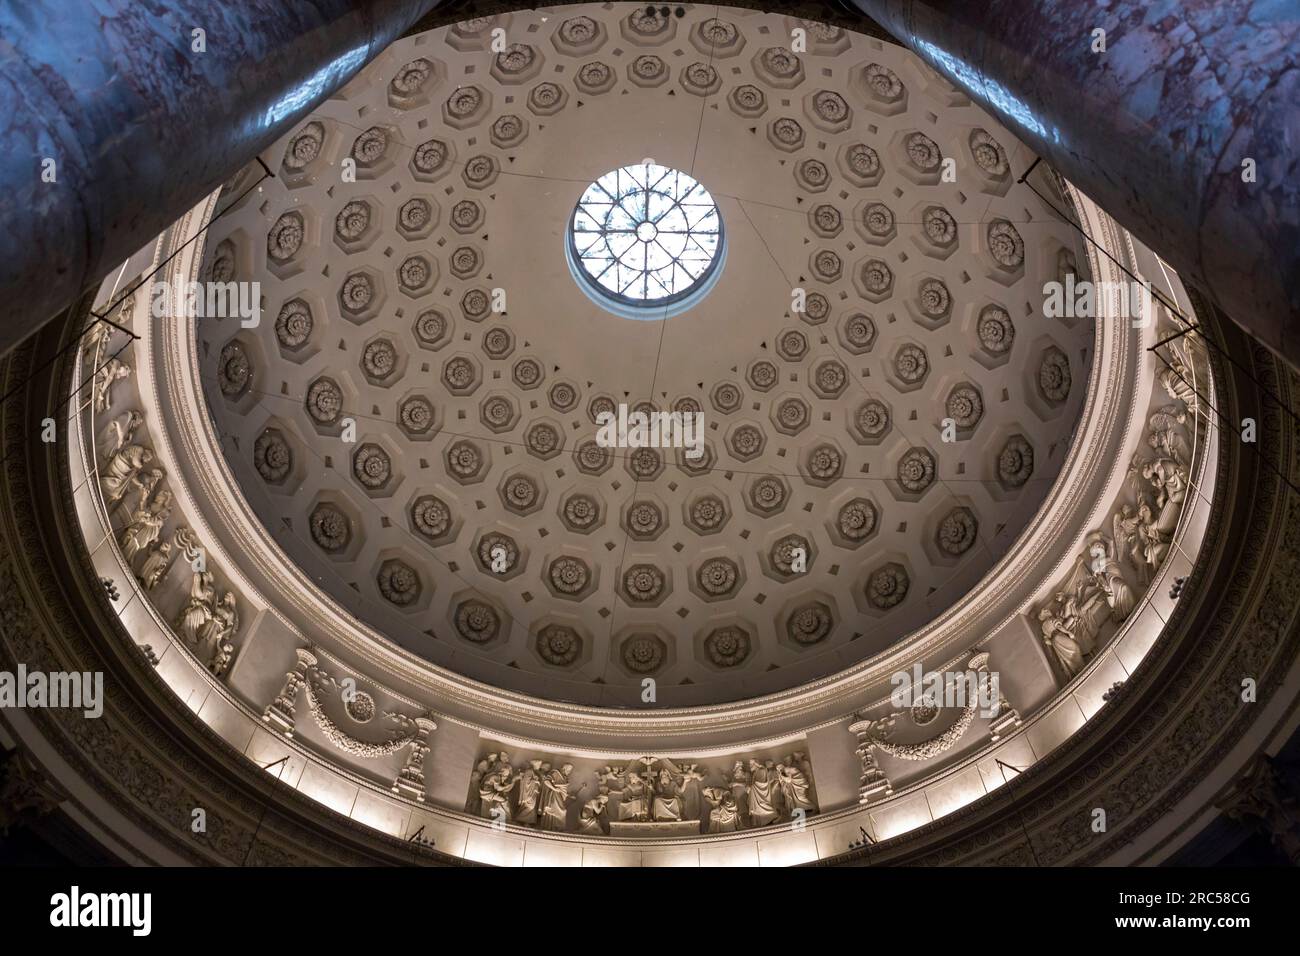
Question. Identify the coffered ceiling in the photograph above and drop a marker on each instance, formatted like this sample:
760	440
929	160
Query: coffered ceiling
421	394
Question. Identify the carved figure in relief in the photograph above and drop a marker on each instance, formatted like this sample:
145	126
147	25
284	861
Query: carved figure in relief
648	790
96	341
123	430
155	565
143	483
634	798
589	821
1167	435
1071	620
146	525
220	663
1176	378
224	623
795	780
120	470
1154	544
1170	481
668	793
1060	641
1128	544
494	790
739	785
528	801
112	371
1110	578
555	797
1143	529
199	610
763	793
724	812
481	770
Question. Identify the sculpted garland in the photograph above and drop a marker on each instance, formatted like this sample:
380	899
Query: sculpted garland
874	734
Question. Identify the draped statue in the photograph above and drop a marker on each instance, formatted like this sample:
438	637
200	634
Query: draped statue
724	812
668	803
1110	578
589	821
634	798
120	469
146	526
123	429
155	566
1060	641
763	793
198	611
219	633
1170	481
494	790
796	785
111	371
555	798
528	786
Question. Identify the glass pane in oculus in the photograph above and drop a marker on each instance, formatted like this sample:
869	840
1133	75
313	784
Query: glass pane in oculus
646	236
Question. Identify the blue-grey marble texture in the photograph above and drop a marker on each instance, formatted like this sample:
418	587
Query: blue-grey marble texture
1156	128
141	127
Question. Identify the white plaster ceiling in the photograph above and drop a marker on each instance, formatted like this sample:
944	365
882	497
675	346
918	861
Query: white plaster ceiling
679	573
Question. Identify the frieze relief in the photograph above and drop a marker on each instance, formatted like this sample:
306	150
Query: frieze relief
1122	558
141	506
647	797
